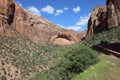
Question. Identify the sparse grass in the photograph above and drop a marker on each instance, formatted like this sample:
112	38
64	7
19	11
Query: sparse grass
26	55
106	69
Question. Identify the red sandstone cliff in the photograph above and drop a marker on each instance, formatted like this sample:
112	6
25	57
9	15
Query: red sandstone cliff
97	21
113	13
104	18
14	18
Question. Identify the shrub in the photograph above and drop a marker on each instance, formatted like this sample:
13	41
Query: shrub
72	61
110	36
77	59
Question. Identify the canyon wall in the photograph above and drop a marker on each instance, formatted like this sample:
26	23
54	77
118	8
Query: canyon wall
104	18
40	30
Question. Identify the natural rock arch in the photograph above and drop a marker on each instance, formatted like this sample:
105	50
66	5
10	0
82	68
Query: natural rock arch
63	39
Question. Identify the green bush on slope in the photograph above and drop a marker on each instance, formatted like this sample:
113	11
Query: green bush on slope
111	36
72	61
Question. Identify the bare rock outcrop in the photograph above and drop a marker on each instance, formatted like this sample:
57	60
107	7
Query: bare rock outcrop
97	21
104	18
113	13
7	9
66	37
15	18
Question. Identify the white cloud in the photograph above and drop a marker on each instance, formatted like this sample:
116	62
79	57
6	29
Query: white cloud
48	9
77	9
83	20
74	27
65	8
78	26
58	12
34	10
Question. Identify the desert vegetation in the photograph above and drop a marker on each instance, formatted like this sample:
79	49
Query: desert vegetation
78	61
23	56
72	61
111	36
26	56
51	62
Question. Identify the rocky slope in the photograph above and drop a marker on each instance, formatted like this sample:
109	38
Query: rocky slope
21	59
104	17
14	18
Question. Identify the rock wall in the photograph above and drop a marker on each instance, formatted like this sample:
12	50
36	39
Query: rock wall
7	10
15	18
97	21
104	18
113	13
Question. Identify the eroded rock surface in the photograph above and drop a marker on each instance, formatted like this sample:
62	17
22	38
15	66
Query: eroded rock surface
97	21
104	18
14	18
113	13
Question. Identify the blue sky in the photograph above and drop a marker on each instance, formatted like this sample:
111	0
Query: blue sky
69	14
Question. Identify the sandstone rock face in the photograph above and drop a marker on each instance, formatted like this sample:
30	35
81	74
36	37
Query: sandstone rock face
113	13
66	37
7	9
104	18
14	18
97	21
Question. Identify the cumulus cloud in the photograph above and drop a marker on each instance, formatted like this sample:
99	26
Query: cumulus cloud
51	10
34	10
48	9
77	9
58	12
83	20
78	26
65	8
